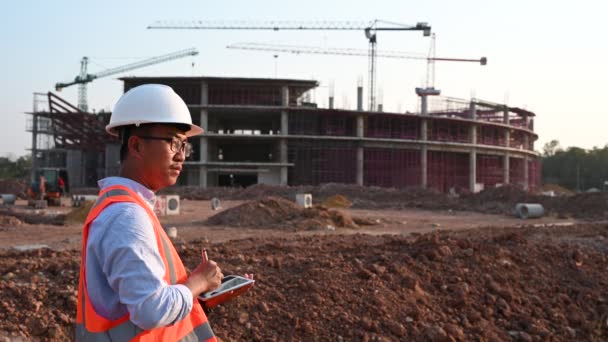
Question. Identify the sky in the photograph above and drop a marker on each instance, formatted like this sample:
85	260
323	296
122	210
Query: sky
549	57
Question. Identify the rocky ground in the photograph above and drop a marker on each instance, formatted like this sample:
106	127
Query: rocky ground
528	284
363	279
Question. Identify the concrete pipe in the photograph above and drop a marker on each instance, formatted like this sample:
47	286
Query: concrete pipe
529	210
8	199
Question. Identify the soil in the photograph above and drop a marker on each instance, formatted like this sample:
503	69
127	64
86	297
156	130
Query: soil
276	212
484	284
410	265
499	200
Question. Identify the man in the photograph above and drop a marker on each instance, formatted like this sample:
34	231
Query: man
133	285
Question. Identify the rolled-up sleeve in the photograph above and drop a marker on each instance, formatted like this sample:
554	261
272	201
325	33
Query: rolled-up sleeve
131	261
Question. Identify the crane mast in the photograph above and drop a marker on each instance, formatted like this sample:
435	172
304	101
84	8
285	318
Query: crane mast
84	77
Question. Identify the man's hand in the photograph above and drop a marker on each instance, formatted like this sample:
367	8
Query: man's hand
206	277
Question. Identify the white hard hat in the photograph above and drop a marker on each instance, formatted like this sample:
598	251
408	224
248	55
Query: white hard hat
151	103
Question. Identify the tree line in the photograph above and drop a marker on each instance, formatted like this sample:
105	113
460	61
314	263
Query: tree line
575	168
15	168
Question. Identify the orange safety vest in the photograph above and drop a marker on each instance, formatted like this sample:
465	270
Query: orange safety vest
90	326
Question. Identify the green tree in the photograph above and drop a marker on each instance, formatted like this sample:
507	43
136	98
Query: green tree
550	148
19	168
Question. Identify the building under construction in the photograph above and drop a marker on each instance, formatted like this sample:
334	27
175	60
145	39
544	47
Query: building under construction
260	130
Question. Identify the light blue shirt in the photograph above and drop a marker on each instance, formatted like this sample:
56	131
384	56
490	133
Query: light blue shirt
124	267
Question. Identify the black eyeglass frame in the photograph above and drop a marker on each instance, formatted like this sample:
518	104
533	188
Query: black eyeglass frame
176	145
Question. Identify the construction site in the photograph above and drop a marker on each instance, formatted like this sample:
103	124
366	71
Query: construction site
411	227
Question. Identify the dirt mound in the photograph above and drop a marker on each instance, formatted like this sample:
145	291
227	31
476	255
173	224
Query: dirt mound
491	284
9	221
79	214
337	201
557	189
499	200
276	212
35	216
13	186
583	205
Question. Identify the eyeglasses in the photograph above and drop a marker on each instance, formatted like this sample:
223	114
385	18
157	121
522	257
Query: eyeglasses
177	145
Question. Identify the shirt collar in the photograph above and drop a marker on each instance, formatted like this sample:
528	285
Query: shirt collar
143	192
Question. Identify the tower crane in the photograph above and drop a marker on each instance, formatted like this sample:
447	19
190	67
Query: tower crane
370	28
298	49
295	49
84	77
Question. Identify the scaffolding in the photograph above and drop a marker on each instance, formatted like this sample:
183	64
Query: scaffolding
317	162
399	168
448	131
490	171
516	172
448	170
534	174
392	127
490	135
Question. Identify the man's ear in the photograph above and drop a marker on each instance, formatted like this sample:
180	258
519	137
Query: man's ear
135	146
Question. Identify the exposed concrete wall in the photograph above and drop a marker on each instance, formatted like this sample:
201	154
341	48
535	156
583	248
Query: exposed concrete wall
273	177
284	131
473	152
204	143
75	167
424	149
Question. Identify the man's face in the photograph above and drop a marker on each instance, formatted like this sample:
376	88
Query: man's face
161	166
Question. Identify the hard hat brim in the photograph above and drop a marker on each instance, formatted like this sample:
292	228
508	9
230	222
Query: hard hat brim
194	129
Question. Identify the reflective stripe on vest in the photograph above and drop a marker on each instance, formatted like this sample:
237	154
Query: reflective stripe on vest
195	326
127	331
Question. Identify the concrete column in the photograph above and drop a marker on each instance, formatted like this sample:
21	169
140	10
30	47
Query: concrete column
472	111
473	152
283	156
526	142
505	119
285	96
360	151
360	169
472	170
284	132
360	126
202	177
360	98
204	151
424	106
423	153
423	167
331	102
526	175
423	130
531	124
204	118
284	122
204	143
505	165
